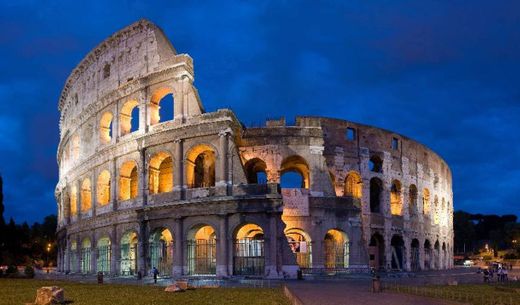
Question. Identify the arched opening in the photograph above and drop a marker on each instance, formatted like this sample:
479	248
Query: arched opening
161	106
376	251
436	255
376	189
161	173
427	255
436	210
443	256
201	167
103	188
412	199
161	251
415	257
103	255
86	256
294	173
426	202
396	204
129	117
86	195
354	185
375	164
73	261
248	258
202	258
73	201
75	147
256	171
128	181
301	245
105	128
397	244
336	250
129	253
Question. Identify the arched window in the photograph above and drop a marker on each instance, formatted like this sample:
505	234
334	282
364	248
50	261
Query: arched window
202	254
129	253
73	201
161	251
161	173
85	256
105	128
436	210
248	258
103	255
354	185
398	252
376	251
129	118
301	245
396	204
294	173
256	171
376	188
426	202
375	164
201	166
336	250
86	195
412	198
128	181
161	106
103	188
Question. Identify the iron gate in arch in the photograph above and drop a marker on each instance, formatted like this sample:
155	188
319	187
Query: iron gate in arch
103	259
202	257
128	259
336	254
249	258
161	257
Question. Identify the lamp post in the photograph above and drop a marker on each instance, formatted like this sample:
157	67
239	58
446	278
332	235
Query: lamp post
48	251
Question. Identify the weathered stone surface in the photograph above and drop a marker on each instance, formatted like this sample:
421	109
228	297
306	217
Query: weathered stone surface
174	288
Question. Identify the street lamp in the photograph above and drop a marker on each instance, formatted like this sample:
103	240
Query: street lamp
48	251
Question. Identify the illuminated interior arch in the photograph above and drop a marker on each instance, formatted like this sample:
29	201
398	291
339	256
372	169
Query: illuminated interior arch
155	105
295	164
161	251
161	173
200	166
86	195
336	252
354	185
426	202
103	188
396	203
73	201
127	115
301	245
103	255
248	258
128	181
129	253
202	254
105	128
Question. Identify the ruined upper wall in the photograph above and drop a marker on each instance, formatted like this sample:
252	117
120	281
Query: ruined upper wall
131	53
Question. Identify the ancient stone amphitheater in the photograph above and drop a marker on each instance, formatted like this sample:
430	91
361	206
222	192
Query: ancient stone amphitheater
149	179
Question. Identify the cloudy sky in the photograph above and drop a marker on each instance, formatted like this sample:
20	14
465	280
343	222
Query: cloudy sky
445	73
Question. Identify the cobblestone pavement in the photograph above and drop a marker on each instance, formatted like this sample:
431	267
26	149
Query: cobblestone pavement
353	292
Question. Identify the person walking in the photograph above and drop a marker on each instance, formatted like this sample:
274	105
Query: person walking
155	274
486	276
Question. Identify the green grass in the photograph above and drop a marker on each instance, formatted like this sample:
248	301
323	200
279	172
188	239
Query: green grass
476	294
20	291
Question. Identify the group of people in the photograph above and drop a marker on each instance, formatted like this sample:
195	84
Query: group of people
501	272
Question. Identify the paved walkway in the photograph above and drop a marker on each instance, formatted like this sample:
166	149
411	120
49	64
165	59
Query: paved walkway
353	292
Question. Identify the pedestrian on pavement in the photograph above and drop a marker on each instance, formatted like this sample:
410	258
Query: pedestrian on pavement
486	276
155	274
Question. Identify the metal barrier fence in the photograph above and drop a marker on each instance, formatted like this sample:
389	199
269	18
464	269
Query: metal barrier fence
202	259
103	259
128	264
248	258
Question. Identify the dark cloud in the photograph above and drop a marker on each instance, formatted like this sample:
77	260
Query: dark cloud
443	73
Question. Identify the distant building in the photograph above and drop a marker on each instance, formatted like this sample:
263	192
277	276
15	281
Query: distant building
200	194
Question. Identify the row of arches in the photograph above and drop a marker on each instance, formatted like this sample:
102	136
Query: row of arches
421	256
248	246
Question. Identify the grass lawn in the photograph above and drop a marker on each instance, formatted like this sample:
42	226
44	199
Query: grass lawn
476	294
20	291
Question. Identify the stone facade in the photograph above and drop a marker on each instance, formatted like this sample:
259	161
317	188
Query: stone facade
200	194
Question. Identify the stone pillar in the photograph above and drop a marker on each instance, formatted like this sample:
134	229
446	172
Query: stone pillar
181	96
115	256
222	247
142	246
78	254
67	256
144	119
388	250
93	254
115	126
93	193
142	179
178	172
407	266
178	249
114	186
421	254
221	179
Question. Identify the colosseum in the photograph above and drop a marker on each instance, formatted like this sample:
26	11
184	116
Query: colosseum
148	179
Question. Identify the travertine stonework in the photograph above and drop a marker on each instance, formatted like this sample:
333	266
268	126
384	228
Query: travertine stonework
200	194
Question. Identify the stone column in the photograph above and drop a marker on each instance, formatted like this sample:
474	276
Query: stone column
181	97
115	125
222	161
142	246
407	255
178	172
67	256
222	247
114	186
93	254
115	256
178	248
144	120
93	193
388	250
142	179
